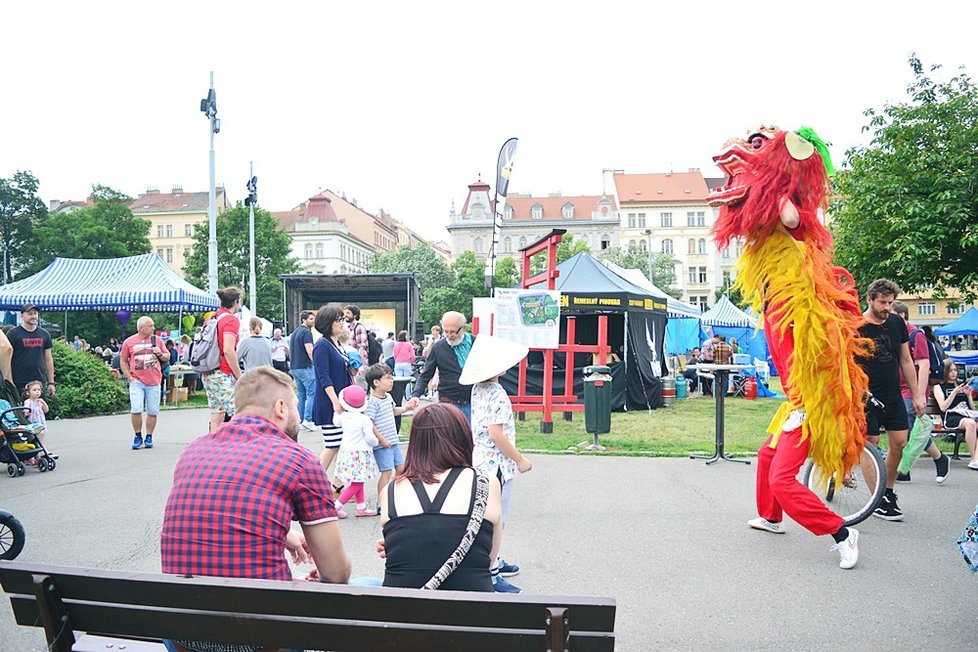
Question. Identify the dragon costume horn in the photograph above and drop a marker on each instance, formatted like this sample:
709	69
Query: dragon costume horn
823	149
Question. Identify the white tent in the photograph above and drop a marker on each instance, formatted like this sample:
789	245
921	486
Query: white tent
674	307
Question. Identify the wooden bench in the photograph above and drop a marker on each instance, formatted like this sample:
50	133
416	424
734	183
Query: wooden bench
137	610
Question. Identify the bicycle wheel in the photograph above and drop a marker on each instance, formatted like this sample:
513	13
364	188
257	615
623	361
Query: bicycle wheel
859	494
11	536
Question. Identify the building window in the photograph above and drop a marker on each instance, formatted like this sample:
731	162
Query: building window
188	230
726	278
159	230
605	242
319	249
690	219
523	242
700	218
692	276
642	246
507	244
159	252
169	230
691	246
701	246
665	219
928	308
702	275
507	212
477	245
726	252
631	220
308	250
702	303
667	246
632	245
537	211
955	310
169	254
641	220
568	211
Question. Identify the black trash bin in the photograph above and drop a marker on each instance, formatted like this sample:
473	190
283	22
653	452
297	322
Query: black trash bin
597	400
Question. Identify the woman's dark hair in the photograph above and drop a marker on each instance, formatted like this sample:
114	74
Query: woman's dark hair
929	333
229	296
402	336
326	317
441	439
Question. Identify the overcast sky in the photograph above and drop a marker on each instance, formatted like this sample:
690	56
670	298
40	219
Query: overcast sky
401	105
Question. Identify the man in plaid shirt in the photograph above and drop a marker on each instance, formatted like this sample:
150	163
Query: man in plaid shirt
237	490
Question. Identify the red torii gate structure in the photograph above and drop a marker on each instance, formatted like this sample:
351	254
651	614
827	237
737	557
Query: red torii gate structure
546	402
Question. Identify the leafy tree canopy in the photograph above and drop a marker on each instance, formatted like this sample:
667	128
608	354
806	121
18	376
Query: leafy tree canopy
273	256
567	248
663	267
429	270
906	205
20	210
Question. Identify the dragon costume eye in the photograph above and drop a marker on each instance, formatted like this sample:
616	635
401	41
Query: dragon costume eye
757	141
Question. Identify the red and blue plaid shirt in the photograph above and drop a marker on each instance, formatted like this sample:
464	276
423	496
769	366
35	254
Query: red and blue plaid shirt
235	494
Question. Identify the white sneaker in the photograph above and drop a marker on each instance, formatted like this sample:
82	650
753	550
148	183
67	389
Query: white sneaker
973	465
309	425
766	525
848	549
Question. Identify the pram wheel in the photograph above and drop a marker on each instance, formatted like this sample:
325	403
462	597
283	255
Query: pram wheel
21	469
11	536
50	463
12	470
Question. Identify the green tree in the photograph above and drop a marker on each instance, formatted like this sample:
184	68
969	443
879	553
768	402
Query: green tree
273	248
734	295
567	248
507	273
429	270
20	210
663	267
907	203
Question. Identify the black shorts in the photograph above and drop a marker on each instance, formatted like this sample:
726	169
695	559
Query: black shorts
891	417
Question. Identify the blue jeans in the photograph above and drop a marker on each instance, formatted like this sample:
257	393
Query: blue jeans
305	383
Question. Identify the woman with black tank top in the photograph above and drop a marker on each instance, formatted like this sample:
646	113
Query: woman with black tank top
950	394
428	507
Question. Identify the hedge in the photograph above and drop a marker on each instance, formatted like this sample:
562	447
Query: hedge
85	385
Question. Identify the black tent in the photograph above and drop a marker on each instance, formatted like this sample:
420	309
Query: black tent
636	331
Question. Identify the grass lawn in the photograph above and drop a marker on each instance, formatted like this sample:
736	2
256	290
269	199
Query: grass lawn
687	426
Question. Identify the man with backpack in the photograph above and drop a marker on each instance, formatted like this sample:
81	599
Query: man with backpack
141	362
214	355
920	352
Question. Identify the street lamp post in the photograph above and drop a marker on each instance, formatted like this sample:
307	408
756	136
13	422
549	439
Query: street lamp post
250	201
648	233
208	106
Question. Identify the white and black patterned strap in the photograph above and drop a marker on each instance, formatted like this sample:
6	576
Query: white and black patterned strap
471	530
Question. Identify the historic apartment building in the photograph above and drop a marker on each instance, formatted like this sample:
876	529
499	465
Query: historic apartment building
322	241
172	218
667	212
526	219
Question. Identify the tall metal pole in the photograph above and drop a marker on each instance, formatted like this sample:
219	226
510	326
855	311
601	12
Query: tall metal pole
209	106
648	232
251	241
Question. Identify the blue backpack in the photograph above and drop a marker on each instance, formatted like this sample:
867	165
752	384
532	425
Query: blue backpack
934	353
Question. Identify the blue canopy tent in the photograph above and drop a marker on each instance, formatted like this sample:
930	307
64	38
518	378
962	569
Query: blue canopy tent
136	283
724	318
966	324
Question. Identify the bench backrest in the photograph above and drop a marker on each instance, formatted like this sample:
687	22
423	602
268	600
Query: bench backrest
297	614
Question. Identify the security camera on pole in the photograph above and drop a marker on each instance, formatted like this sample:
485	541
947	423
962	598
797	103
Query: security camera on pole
250	202
208	107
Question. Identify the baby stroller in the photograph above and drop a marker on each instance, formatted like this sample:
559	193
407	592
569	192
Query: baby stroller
19	442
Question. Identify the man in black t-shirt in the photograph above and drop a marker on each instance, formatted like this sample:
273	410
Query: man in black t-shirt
300	346
31	351
885	408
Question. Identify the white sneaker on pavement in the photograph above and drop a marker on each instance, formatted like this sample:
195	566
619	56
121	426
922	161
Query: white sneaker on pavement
766	525
848	549
309	425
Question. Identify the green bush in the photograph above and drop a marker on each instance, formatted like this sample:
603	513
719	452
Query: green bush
85	386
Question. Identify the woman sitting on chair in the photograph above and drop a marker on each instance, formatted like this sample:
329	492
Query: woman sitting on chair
949	396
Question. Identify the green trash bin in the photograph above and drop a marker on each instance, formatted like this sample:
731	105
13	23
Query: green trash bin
597	400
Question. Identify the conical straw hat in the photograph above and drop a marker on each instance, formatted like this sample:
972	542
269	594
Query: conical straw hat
490	356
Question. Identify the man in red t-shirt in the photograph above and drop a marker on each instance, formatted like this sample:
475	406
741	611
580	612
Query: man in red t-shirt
140	361
219	384
921	361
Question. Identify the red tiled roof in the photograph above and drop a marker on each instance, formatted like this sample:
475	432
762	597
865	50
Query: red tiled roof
670	187
584	206
157	202
287	219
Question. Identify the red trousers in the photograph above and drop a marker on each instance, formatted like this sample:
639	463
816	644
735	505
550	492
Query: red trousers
778	489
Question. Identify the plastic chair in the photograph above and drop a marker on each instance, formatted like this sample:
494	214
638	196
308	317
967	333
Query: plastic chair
763	370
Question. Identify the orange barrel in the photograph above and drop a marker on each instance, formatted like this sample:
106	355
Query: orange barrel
668	390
